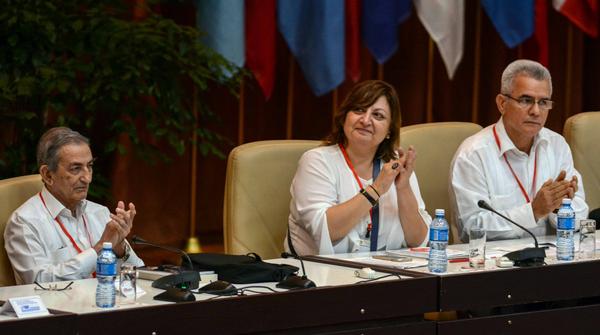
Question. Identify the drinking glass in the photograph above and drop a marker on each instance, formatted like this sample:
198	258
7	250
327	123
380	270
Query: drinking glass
128	282
587	238
477	238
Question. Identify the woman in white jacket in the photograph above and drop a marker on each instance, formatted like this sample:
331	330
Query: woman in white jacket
358	191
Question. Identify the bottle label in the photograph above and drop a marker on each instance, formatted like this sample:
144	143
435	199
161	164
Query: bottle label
106	269
438	235
566	223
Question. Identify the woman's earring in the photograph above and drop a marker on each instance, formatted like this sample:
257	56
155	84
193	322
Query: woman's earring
388	136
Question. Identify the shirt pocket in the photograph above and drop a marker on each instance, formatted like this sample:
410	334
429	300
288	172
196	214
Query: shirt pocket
60	255
507	201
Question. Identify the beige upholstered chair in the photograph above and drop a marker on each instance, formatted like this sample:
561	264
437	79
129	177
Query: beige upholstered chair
13	192
582	132
257	195
436	144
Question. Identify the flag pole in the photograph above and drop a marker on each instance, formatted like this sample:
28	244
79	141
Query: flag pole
241	113
569	74
290	100
334	104
477	67
429	117
193	244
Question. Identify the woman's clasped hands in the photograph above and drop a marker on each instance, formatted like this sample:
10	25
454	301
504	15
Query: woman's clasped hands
397	171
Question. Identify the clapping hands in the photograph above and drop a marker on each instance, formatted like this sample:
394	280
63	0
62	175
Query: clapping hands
117	229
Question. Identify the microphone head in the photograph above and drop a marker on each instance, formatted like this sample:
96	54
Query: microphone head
136	239
483	204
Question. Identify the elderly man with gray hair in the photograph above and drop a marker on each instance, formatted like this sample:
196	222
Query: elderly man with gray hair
57	234
520	168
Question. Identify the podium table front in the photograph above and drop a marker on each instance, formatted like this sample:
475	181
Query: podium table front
340	304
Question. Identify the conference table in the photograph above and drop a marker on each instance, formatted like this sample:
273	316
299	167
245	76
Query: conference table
557	298
341	304
560	297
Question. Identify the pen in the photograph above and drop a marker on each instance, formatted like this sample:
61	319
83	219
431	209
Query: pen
458	260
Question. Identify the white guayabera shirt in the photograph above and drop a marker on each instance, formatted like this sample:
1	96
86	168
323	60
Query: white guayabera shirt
479	172
38	248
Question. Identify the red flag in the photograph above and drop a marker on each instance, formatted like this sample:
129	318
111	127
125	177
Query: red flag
541	31
353	39
583	13
537	46
260	42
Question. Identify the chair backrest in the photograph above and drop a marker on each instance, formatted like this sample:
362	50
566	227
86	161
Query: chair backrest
582	132
13	192
436	144
257	195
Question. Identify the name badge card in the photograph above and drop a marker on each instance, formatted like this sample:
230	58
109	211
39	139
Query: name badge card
25	307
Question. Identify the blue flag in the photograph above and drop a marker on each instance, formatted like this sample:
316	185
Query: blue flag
223	22
314	32
380	20
513	19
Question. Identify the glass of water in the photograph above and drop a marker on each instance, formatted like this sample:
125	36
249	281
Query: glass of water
587	239
128	282
477	238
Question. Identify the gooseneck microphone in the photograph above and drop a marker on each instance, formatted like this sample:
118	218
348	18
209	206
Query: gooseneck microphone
485	205
292	282
138	240
524	257
183	280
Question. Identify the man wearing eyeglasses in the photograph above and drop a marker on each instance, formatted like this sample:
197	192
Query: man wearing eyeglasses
516	165
57	234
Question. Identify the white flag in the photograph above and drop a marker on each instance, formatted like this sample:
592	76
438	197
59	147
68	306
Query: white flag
445	22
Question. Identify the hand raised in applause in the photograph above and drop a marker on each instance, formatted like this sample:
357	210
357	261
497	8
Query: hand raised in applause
574	187
550	195
118	228
407	166
387	175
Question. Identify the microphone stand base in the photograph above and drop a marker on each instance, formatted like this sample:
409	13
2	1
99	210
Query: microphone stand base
186	279
527	257
293	282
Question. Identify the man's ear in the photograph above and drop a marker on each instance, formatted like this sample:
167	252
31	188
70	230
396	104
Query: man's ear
500	101
46	175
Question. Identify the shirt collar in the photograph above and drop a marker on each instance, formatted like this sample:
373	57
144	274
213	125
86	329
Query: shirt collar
507	144
55	207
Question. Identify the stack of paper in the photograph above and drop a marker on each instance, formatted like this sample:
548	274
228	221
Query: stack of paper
408	264
423	252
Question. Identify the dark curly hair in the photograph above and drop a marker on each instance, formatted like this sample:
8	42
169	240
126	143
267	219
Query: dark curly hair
362	96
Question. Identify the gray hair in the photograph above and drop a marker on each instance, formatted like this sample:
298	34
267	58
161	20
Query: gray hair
51	142
527	68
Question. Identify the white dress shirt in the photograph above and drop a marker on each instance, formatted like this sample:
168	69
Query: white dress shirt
323	180
479	172
40	251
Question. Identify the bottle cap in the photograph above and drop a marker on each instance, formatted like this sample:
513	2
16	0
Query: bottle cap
107	245
439	211
566	201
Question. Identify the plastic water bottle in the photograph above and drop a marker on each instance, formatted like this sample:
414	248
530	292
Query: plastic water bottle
106	273
565	245
438	241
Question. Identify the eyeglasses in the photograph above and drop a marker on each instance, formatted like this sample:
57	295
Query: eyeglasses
527	102
52	287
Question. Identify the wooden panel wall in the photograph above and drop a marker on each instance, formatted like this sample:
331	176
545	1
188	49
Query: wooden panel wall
162	192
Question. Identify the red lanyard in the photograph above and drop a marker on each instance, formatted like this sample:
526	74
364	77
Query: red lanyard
370	226
513	172
65	230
